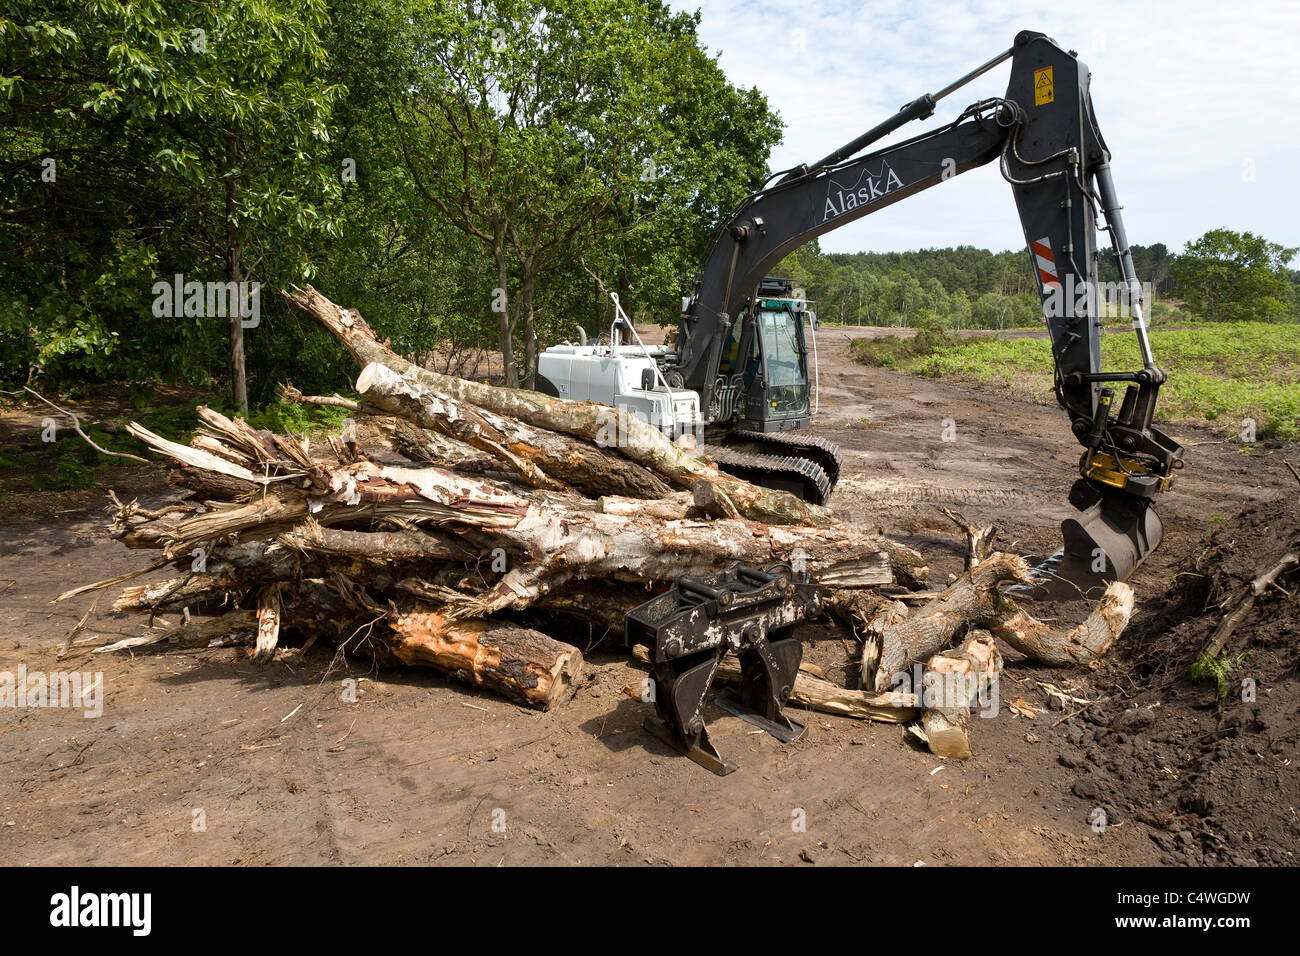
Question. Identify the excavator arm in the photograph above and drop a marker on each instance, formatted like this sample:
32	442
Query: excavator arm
1045	138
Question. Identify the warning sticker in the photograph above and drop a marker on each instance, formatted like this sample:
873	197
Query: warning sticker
1044	90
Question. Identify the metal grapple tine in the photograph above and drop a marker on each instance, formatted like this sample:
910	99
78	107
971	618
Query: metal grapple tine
679	703
768	669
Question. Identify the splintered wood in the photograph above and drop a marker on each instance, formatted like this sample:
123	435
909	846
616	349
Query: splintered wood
502	523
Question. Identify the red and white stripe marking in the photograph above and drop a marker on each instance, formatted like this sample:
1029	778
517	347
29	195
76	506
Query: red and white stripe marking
1042	249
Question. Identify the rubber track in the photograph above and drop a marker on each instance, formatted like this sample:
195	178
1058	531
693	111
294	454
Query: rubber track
821	451
754	467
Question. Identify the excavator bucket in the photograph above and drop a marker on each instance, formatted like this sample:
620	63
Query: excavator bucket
1105	541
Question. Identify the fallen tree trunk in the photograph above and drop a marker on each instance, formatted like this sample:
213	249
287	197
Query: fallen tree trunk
557	543
209	485
523	665
974	599
673	507
544	459
931	628
1076	647
887	615
892	707
423	444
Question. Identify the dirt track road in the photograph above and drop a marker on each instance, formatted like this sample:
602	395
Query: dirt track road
280	770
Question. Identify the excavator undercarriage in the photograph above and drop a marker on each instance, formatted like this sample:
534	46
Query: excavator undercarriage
803	464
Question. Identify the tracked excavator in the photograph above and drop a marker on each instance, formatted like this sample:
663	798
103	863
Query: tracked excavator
737	372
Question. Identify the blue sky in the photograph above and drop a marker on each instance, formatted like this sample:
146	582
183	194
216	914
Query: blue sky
1199	103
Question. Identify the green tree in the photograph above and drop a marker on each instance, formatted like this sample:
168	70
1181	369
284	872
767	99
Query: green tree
1231	276
182	136
575	133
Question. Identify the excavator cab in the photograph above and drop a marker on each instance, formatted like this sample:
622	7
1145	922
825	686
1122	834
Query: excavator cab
763	366
776	383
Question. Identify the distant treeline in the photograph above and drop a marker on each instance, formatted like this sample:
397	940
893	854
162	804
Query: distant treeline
1223	275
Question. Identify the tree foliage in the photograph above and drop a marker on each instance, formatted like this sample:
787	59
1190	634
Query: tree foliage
413	156
1236	276
1223	276
150	139
475	175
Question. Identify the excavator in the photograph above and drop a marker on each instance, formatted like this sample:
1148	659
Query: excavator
738	369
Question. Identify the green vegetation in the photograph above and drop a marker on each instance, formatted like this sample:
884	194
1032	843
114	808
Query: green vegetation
962	288
1223	276
471	175
1229	276
1219	372
1218	669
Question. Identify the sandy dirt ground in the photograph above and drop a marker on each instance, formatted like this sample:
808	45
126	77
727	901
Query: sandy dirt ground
202	757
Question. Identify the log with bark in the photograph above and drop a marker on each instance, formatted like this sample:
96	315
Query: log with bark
976	599
929	629
600	425
521	664
954	681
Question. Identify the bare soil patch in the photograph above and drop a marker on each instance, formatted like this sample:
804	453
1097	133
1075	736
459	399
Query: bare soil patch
418	770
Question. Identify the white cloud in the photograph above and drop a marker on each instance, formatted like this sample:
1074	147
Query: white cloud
1189	96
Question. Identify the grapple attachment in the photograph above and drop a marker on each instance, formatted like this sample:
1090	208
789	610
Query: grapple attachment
689	629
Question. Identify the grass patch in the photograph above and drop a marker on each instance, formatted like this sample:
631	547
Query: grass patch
1221	372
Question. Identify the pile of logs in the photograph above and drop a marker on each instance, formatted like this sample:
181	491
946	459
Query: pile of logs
502	520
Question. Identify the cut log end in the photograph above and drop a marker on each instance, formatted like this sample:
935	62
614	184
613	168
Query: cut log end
948	732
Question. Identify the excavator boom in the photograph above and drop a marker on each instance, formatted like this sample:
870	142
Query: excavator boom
1046	141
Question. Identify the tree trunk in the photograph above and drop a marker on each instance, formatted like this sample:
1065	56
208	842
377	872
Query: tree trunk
821	695
521	664
501	303
973	596
544	459
952	683
1077	647
235	275
528	311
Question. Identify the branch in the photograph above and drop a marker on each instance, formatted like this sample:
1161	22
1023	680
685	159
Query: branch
76	425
